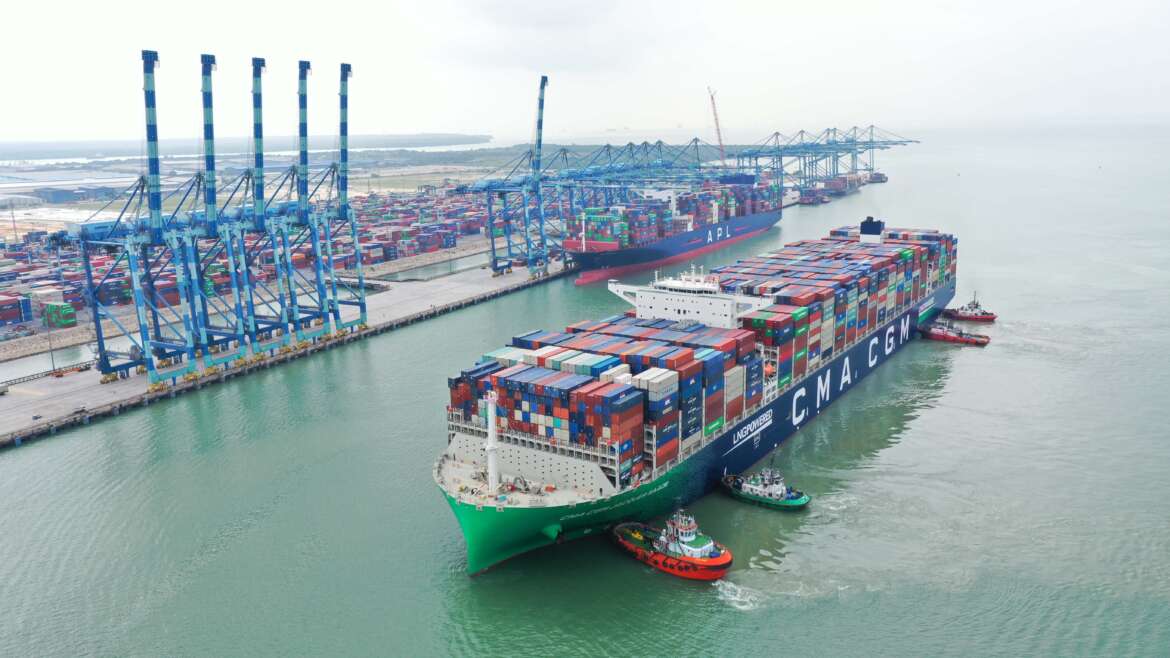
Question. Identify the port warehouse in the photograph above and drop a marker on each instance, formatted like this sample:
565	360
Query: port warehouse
632	392
220	277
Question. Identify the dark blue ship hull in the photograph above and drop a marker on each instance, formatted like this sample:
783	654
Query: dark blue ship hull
752	438
602	265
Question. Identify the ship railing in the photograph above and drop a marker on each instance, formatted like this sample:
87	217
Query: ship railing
457	423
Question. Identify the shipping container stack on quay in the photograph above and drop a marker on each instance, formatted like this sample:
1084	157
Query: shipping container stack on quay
712	371
394	226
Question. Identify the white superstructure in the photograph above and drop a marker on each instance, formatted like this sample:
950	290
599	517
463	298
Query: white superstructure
690	296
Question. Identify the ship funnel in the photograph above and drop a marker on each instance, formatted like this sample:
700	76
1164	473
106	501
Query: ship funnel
871	230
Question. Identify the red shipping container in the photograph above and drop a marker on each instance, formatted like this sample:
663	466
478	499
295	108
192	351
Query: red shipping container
666	419
786	349
689	370
666	452
734	407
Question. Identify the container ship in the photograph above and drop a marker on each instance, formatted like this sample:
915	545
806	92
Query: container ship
648	232
564	433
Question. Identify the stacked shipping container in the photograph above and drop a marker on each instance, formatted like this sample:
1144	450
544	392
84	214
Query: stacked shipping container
689	380
645	221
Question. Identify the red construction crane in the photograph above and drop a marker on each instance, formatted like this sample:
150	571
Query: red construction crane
718	131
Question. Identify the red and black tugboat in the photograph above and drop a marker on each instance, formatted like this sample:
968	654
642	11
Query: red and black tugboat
949	333
678	549
971	312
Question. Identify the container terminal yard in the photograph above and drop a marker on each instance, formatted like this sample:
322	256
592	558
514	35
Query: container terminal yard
179	282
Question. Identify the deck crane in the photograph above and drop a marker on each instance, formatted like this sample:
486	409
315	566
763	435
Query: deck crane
718	131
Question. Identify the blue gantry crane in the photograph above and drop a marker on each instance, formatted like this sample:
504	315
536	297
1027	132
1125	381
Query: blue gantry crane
515	202
807	159
529	198
216	281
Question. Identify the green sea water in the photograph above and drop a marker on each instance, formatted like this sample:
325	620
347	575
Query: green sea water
1012	500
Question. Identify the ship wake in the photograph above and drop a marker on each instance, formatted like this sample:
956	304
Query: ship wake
739	597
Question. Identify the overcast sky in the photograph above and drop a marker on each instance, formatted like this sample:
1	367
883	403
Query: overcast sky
72	71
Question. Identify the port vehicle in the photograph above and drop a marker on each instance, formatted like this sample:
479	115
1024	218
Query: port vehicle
564	434
766	488
678	549
948	333
972	311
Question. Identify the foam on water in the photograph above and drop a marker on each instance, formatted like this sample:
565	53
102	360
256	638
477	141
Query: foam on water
739	597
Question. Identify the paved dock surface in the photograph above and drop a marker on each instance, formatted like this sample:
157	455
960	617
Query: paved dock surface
72	399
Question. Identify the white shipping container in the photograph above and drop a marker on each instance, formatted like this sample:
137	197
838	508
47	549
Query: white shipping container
656	379
578	364
610	375
735	377
665	379
46	295
557	362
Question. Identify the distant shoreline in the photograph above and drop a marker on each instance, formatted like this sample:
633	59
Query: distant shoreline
90	149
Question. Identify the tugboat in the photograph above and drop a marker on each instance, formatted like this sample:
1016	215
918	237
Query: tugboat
766	488
679	549
949	333
971	312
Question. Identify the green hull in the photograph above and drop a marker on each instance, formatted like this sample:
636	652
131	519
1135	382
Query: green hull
494	534
794	504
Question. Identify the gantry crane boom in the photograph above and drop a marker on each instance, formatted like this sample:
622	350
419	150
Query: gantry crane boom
718	130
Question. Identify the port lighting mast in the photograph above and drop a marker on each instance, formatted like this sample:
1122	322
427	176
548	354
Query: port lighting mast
718	130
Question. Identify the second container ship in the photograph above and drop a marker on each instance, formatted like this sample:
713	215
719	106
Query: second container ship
608	242
563	434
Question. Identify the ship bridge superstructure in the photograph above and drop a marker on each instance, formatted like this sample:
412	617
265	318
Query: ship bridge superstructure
688	297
